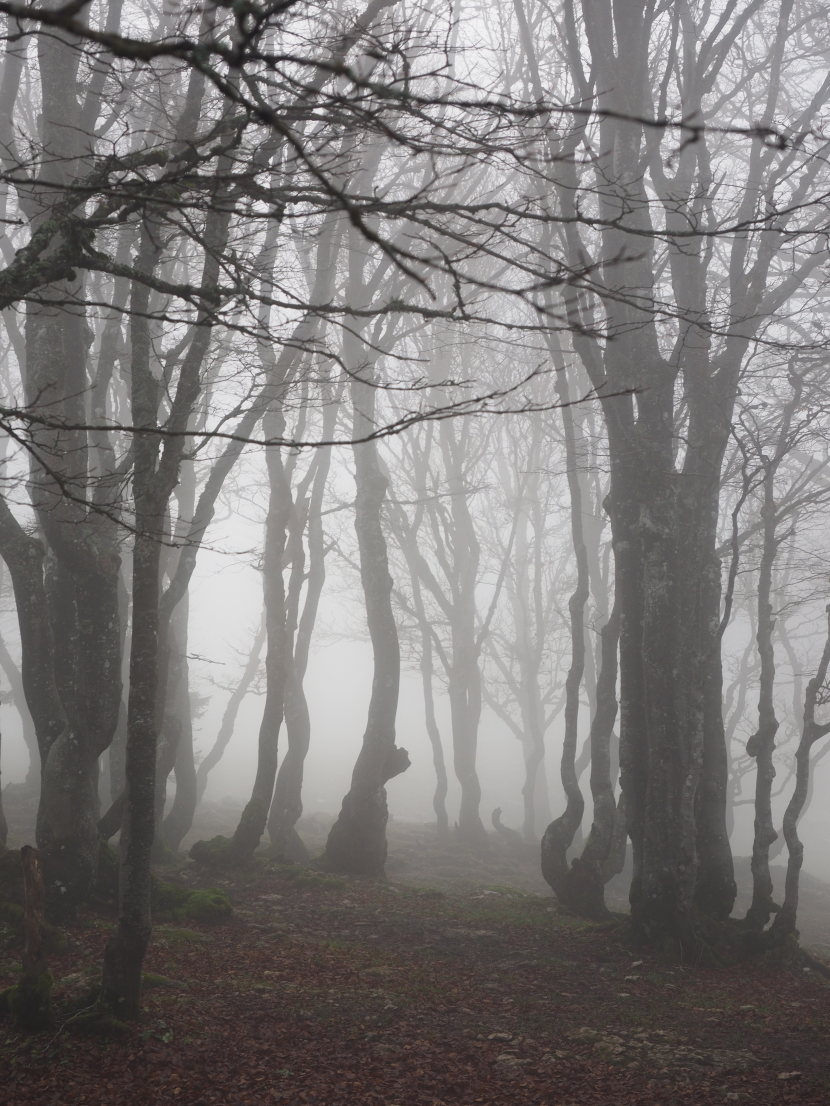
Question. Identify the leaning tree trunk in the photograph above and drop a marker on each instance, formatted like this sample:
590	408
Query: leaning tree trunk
357	841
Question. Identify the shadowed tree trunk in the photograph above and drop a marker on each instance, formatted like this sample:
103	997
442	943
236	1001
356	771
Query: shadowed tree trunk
31	1000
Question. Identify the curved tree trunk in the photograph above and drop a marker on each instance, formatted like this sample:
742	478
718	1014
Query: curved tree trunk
560	833
784	926
252	823
229	717
357	841
587	876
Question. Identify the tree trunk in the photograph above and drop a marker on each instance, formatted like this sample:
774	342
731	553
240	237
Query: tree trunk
586	878
252	823
4	826
287	804
357	841
761	744
560	833
83	556
229	716
32	781
784	926
439	798
177	824
31	1000
124	953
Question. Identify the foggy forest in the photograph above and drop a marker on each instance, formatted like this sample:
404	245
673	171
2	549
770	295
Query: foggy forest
414	572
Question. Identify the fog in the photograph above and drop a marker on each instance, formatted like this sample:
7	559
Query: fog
414	577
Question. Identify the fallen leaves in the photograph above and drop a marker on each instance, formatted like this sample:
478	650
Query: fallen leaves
395	1013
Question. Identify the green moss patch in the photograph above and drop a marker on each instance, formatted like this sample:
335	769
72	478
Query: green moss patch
211	907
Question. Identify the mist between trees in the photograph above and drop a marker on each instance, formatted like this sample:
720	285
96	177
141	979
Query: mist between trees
506	322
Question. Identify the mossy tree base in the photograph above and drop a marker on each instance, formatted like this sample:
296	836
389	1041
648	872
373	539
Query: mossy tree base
30	1003
223	852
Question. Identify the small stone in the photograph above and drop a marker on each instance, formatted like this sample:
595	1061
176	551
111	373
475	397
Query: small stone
500	1037
748	1009
632	979
785	1076
637	964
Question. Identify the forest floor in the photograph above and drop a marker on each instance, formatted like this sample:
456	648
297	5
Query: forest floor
323	991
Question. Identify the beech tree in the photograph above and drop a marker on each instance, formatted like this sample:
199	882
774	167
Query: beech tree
666	233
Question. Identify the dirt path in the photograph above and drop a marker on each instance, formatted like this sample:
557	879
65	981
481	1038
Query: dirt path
328	991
